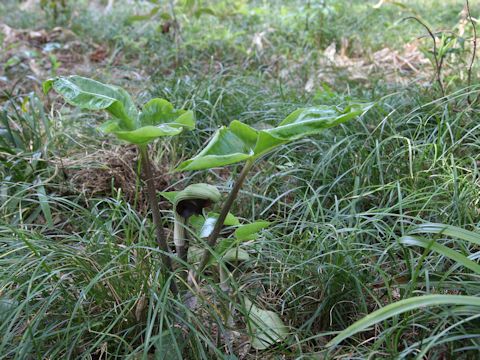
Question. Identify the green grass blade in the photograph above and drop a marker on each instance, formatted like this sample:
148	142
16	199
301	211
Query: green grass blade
449	230
443	250
401	307
44	205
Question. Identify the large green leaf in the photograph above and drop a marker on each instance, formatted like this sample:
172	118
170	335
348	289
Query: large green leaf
228	146
266	327
240	142
400	307
93	95
304	122
160	111
146	134
158	117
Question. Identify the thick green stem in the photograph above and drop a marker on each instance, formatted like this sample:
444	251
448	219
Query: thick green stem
157	217
212	239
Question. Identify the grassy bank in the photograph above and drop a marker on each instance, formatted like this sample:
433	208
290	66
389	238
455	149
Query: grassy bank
79	268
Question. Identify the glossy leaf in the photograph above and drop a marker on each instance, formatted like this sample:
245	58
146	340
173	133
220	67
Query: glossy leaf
266	326
158	117
305	122
93	95
228	146
240	142
160	111
250	231
146	134
400	307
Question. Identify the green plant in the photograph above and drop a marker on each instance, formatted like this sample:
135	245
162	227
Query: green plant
448	49
237	143
157	119
265	327
419	302
25	135
186	203
337	202
241	143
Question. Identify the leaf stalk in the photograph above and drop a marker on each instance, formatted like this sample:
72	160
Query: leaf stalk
156	215
212	239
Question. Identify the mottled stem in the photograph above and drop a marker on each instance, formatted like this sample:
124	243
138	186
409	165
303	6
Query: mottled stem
156	215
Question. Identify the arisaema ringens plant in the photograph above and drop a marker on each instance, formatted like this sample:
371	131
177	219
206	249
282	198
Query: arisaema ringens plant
240	143
189	205
156	119
237	143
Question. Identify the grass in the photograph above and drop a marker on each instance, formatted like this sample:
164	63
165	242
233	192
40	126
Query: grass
349	218
79	273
